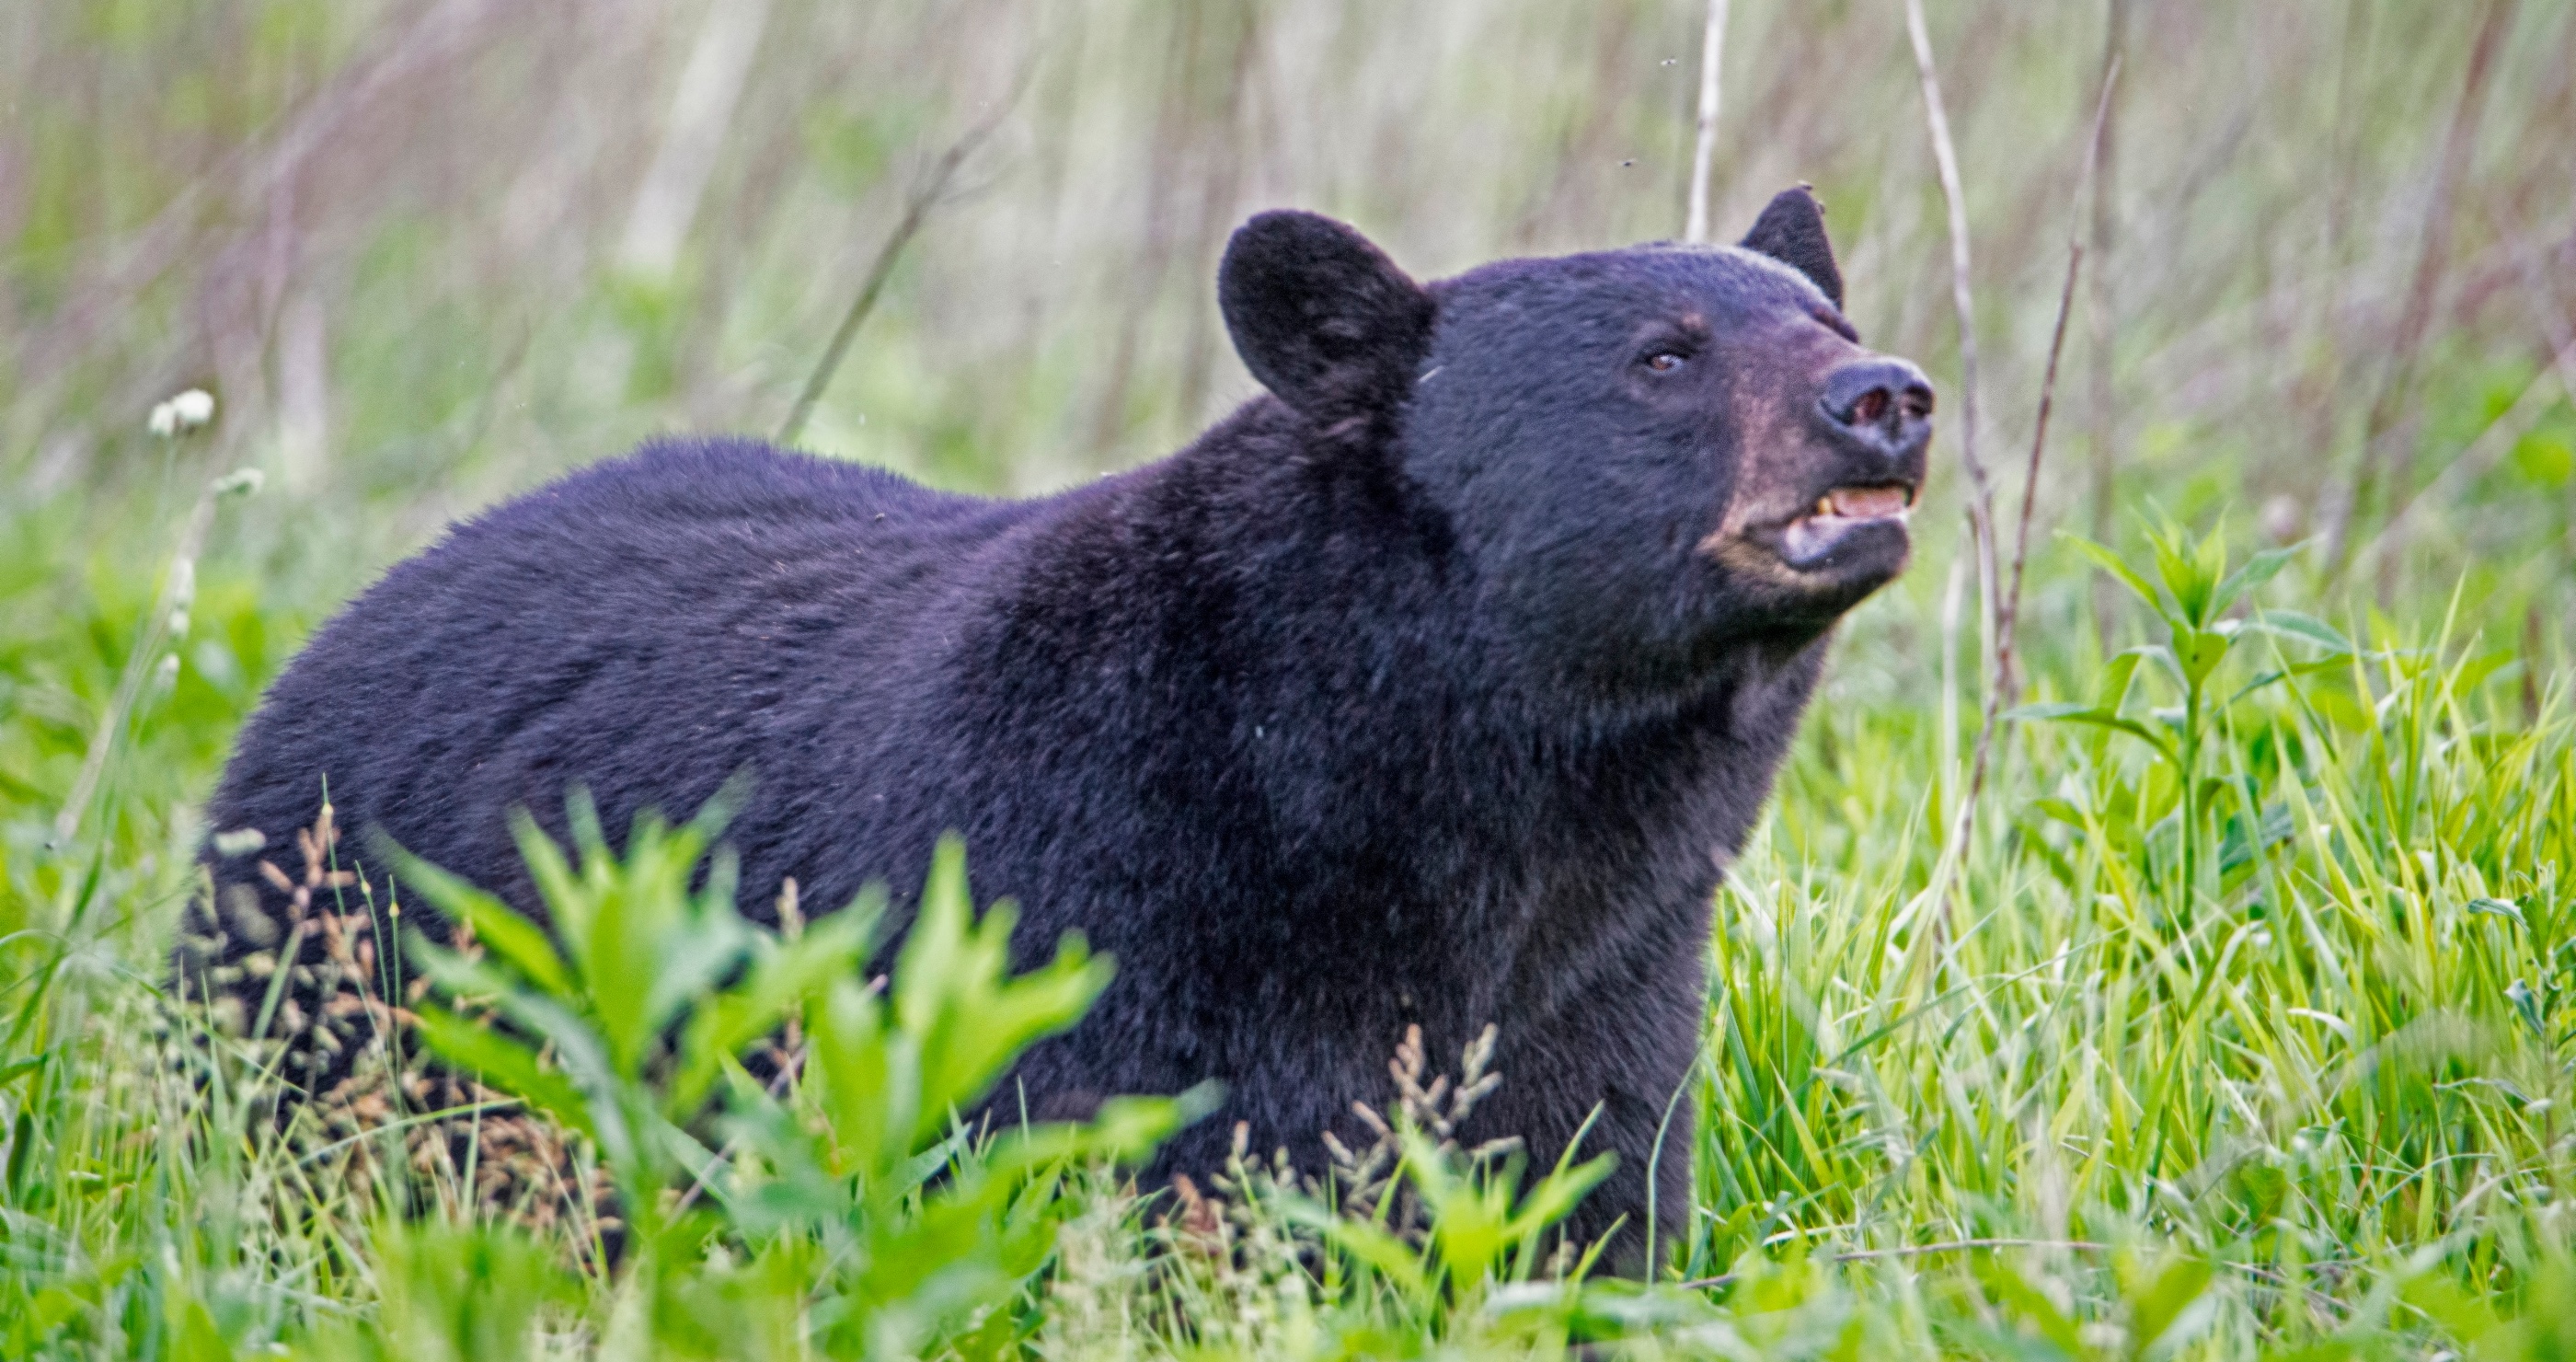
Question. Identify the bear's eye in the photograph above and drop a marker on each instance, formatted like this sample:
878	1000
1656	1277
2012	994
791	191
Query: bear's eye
1664	361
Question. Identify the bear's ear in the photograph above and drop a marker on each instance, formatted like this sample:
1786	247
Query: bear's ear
1792	231
1321	316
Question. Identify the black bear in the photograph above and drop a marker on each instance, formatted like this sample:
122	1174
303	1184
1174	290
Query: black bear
1435	686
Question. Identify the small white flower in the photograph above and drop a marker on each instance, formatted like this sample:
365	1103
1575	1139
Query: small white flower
185	412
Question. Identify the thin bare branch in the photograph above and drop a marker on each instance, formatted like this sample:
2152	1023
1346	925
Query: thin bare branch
2102	311
2350	499
1945	156
916	210
254	171
1981	495
2005	684
1711	52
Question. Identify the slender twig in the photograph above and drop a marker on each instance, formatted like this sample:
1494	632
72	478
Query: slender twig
250	173
925	195
1981	499
2101	313
1981	495
2491	443
2351	498
2004	684
1712	49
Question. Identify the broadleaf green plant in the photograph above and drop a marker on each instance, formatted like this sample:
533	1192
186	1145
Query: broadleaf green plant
849	1211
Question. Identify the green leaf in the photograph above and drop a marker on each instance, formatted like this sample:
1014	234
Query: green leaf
2200	651
2498	908
1555	1196
568	900
2188	578
2260	568
505	1064
782	977
954	997
2110	562
866	1080
2159	1307
2117	675
2067	713
2291	624
1381	1251
501	930
2053	709
576	1045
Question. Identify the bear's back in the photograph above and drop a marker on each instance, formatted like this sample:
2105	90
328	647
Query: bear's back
645	629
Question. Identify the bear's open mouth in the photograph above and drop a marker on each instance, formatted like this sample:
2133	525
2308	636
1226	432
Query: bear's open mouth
1811	540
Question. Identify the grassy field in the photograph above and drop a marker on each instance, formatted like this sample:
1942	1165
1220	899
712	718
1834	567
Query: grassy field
2231	1014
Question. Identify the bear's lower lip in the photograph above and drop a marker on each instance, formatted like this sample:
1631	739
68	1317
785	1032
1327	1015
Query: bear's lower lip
1815	541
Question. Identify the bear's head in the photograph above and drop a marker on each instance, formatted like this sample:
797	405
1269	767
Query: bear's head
1650	457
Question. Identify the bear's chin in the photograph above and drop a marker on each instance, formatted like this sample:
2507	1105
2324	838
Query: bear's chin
1815	564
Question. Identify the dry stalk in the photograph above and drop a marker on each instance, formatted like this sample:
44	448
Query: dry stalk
1711	52
1436	1109
256	173
2491	444
2351	499
916	210
2004	683
2007	681
1981	494
2101	311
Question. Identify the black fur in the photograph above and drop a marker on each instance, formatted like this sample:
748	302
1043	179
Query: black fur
1792	230
1419	692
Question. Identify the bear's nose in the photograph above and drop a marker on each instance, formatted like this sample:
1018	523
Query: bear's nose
1884	401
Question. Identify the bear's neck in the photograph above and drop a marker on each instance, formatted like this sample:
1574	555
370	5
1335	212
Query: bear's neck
1300	628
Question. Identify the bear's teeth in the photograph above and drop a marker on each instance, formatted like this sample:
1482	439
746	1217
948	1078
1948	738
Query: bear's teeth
1867	503
1824	505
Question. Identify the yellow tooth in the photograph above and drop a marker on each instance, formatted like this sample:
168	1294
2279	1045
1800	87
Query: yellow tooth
1824	505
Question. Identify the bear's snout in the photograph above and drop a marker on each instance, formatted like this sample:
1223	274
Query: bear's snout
1880	406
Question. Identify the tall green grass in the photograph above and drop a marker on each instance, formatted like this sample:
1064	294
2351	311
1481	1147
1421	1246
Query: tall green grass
2238	1027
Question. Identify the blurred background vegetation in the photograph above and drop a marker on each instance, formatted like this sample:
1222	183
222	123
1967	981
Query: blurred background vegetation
428	253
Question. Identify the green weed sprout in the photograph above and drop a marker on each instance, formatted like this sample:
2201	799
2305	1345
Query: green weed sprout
2190	594
865	1218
